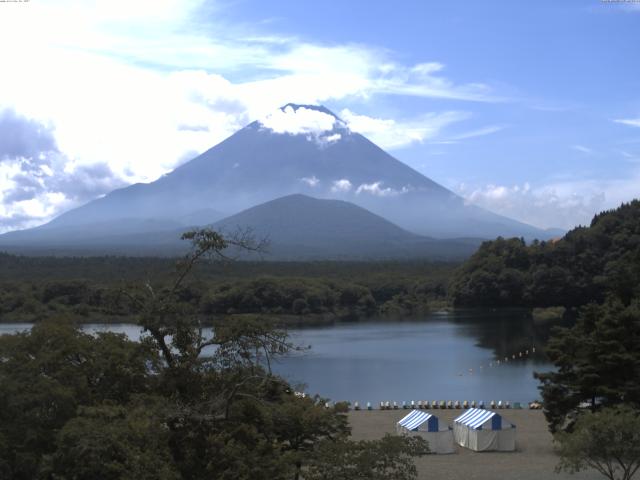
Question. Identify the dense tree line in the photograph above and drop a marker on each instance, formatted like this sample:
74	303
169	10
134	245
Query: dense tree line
110	269
586	265
102	407
369	295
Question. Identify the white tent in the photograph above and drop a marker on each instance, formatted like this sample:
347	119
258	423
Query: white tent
428	427
483	430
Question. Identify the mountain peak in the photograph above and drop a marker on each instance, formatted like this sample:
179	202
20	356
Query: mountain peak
317	108
315	122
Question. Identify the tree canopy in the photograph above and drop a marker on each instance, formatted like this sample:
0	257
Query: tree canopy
32	289
597	362
586	265
607	441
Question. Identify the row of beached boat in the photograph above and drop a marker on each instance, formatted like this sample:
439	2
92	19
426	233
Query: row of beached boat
447	405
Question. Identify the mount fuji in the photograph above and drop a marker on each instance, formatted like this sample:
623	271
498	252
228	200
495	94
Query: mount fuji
298	149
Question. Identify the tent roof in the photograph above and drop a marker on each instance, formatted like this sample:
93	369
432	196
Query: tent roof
414	419
475	417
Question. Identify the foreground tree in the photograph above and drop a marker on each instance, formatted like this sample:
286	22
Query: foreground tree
597	361
234	418
607	441
113	442
390	457
48	373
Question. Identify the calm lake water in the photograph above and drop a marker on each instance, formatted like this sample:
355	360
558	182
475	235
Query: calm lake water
437	357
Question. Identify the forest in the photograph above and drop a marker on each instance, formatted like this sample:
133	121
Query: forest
586	265
91	288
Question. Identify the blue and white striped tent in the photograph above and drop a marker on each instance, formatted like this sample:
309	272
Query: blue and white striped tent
476	418
483	430
417	419
427	426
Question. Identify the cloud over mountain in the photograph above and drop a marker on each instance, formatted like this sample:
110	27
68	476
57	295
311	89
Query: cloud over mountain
299	120
316	125
561	203
21	137
342	185
390	133
36	179
377	189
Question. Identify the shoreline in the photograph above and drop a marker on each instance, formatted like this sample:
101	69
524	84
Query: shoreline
291	320
534	458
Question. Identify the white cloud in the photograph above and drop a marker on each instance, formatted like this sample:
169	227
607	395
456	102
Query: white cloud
563	204
311	181
32	191
390	133
298	121
341	186
633	122
378	190
332	138
628	5
422	80
582	149
629	157
315	125
36	179
488	130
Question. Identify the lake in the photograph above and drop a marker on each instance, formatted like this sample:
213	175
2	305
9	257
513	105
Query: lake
441	356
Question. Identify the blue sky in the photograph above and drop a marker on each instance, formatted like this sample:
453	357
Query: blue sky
531	109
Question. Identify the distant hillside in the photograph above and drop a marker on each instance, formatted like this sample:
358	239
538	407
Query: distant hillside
585	265
298	227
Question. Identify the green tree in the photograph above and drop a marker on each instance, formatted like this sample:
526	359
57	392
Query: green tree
114	442
301	422
584	266
47	373
234	419
597	361
391	457
607	441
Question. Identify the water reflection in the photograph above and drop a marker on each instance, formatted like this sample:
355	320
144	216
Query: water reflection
438	357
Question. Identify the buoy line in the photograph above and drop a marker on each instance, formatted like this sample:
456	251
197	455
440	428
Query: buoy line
498	362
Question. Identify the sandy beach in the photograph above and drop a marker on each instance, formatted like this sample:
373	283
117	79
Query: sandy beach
533	459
